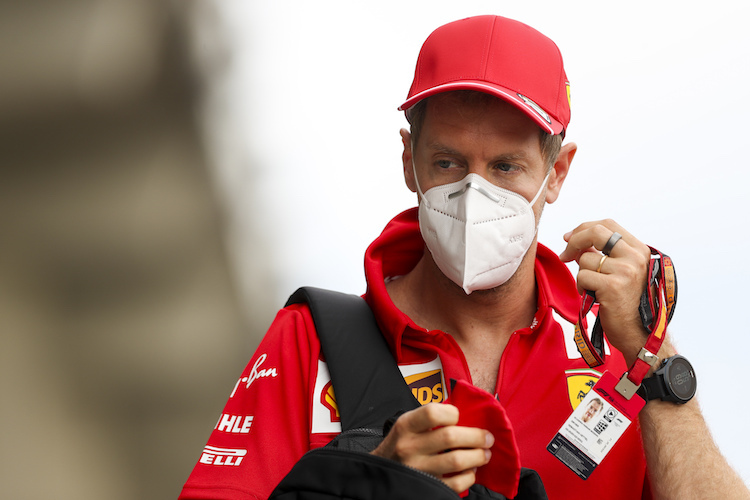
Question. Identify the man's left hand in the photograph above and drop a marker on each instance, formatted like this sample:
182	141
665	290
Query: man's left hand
618	280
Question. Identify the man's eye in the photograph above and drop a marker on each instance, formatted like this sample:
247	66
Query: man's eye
506	167
444	163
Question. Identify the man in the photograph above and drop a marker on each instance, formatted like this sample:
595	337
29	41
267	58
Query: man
592	410
461	290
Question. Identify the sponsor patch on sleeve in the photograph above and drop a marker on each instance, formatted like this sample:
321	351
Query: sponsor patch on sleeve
231	457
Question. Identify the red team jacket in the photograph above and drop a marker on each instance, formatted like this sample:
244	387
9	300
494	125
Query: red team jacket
283	404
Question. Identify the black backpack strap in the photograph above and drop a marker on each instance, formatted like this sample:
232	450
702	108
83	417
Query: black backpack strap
369	390
368	385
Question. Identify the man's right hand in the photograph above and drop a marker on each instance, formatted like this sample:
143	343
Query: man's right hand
429	440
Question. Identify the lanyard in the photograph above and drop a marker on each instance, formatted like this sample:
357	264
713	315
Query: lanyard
656	310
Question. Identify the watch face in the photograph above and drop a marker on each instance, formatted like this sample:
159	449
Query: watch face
681	378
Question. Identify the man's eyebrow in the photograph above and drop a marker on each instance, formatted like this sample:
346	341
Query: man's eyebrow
441	148
510	156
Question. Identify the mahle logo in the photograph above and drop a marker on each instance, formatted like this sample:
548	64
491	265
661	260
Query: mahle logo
235	424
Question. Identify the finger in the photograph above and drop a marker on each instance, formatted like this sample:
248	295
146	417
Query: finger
593	273
452	437
462	481
428	417
448	438
586	238
455	462
580	241
412	433
598	263
592	236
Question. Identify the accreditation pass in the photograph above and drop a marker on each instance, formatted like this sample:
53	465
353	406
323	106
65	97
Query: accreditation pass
595	426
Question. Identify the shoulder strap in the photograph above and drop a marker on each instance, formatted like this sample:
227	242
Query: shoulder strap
368	385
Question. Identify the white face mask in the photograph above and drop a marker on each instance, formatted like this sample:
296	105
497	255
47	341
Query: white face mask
478	233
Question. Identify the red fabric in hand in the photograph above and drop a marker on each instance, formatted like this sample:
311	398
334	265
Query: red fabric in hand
478	408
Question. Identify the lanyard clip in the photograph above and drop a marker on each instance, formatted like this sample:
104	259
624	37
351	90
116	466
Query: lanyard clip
649	357
627	387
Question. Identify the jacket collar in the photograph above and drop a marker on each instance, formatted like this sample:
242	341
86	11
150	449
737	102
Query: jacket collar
400	246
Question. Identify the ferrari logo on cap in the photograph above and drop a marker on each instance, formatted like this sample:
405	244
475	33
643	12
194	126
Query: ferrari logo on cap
580	382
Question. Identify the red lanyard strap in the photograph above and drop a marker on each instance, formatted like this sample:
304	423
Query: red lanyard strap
656	310
646	308
591	348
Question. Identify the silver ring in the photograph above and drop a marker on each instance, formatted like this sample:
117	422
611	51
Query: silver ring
611	242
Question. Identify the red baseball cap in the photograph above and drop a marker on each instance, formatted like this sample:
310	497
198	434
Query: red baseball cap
498	56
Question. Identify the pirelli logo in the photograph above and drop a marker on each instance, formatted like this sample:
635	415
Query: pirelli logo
222	456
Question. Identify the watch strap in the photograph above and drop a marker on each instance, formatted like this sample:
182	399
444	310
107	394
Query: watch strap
653	387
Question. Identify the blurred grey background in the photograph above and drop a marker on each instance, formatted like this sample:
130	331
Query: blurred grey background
119	312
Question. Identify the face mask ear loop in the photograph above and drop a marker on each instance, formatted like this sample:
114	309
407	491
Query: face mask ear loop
541	188
416	181
536	197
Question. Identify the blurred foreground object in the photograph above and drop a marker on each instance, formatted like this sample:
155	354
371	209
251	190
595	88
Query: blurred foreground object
118	310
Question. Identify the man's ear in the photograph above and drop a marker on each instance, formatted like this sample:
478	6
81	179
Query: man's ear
407	159
560	171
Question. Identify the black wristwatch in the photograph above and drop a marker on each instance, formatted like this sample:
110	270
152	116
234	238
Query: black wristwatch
673	381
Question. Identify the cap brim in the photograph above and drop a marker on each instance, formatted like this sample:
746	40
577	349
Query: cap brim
529	107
